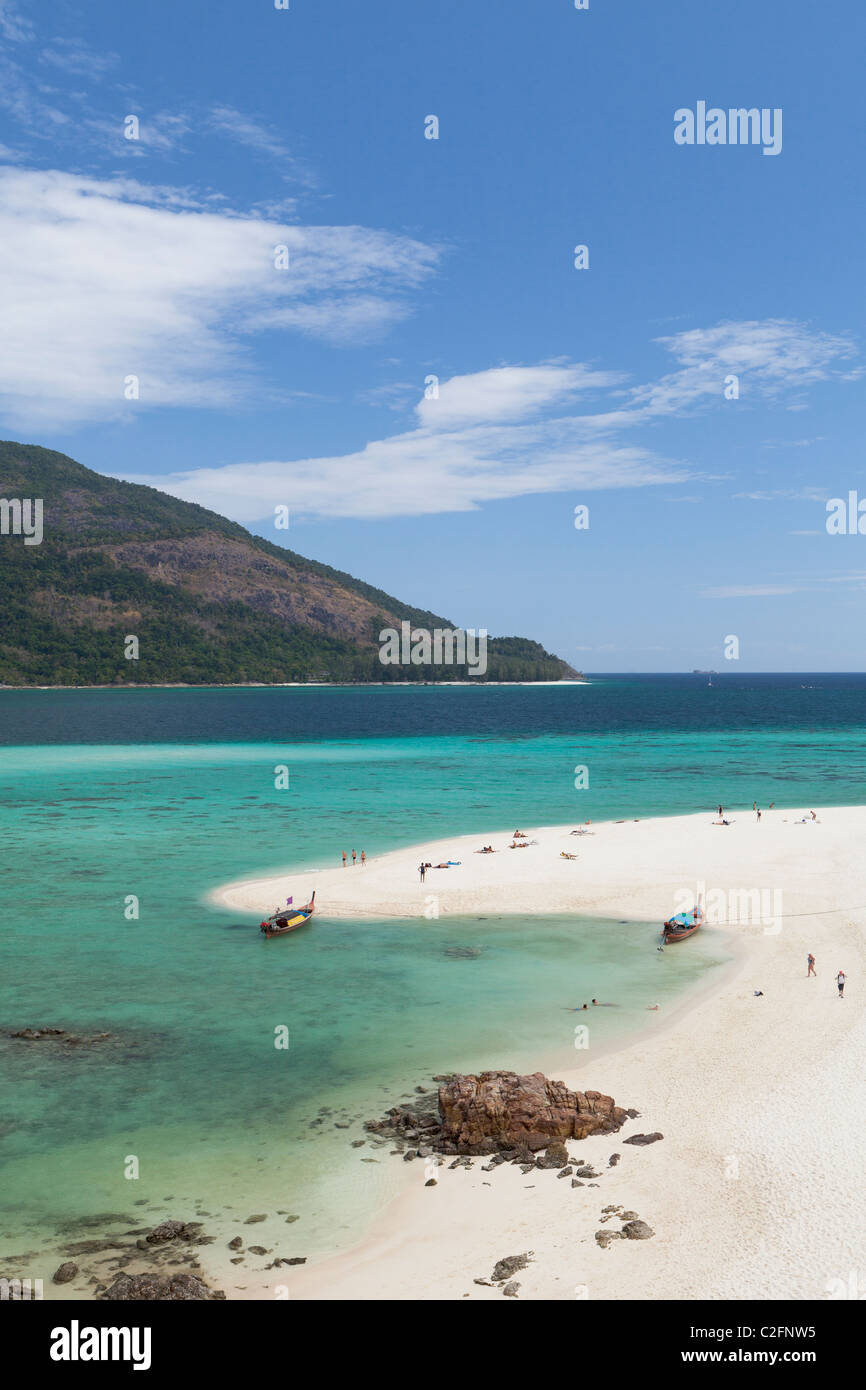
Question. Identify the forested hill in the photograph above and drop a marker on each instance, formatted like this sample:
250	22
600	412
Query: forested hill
208	602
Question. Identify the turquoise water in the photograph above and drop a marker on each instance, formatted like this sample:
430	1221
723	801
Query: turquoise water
165	794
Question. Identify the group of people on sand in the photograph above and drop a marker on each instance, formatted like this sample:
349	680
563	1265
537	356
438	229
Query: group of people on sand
841	977
804	820
755	807
449	864
354	858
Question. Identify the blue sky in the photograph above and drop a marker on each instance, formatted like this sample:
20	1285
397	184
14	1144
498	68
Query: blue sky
303	385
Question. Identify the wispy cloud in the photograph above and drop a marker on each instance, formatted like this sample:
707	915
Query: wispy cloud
768	357
101	280
247	130
506	432
74	56
751	590
784	494
13	25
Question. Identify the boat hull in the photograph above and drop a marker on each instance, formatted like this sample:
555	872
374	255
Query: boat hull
672	936
283	923
683	925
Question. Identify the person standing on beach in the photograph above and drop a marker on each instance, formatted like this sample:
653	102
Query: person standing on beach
759	812
840	983
810	960
422	869
363	858
354	857
344	859
721	814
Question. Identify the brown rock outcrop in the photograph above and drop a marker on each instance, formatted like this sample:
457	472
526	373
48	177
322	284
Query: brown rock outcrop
175	1288
499	1110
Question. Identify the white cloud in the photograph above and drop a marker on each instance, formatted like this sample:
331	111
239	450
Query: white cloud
100	280
768	356
506	432
506	393
420	473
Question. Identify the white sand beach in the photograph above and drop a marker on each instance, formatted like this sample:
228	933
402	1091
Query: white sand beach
756	1190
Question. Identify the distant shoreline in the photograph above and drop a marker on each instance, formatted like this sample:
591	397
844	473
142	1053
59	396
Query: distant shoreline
293	685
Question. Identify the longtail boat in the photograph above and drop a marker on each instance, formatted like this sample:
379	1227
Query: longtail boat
684	924
288	919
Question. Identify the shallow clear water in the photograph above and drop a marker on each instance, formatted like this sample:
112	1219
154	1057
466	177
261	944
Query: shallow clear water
164	794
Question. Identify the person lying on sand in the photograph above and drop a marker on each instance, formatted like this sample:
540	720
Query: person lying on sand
488	849
563	855
652	1006
599	1004
721	822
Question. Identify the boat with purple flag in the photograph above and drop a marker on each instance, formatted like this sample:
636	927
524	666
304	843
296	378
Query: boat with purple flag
288	918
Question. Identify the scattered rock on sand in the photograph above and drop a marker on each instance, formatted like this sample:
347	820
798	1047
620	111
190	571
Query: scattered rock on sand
613	1160
644	1138
236	1243
510	1265
252	1219
66	1273
637	1230
510	1290
554	1156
